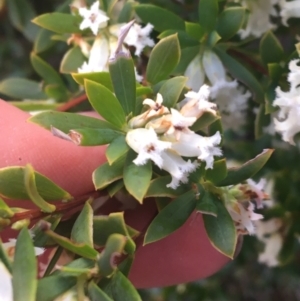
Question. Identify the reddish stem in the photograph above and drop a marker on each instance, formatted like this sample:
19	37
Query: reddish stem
73	102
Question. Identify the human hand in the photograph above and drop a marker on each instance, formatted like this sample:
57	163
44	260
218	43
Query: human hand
185	255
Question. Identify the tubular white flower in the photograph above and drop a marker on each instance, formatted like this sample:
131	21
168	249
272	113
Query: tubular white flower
99	55
289	9
231	100
93	18
289	105
195	73
256	191
198	103
259	17
6	290
194	145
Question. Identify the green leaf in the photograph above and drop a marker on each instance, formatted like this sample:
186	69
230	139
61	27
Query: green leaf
21	88
158	188
143	90
160	18
187	55
4	257
218	173
121	289
116	149
24	270
260	120
81	249
46	71
105	103
106	174
194	30
59	22
12	185
34	105
82	231
208	14
238	71
221	229
91	137
96	293
270	48
5	211
113	248
122	74
31	190
108	5
204	121
136	177
43	41
171	90
184	39
113	188
230	22
126	12
172	217
205	204
72	60
20	13
105	226
102	78
163	59
68	121
247	170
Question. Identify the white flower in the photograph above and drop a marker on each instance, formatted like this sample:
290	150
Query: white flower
256	191
259	17
6	290
194	145
98	57
289	104
289	9
198	103
139	37
147	145
156	109
231	100
9	247
195	73
93	18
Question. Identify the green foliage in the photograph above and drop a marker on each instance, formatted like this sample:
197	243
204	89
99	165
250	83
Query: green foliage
208	13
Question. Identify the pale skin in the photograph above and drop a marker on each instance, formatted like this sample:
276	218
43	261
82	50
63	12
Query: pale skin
184	256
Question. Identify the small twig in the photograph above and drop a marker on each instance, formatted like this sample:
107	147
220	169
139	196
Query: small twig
73	102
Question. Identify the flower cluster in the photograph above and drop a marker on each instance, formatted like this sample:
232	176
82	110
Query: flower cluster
241	200
164	136
106	40
289	104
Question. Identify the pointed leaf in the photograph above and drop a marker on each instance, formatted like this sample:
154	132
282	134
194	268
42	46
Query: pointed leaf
12	185
105	103
208	14
267	42
194	30
184	39
72	60
158	188
82	231
5	211
172	217
91	137
31	190
106	174
238	71
122	74
126	12
34	105
171	90
68	121
247	170
163	59
160	18
96	293
218	173
43	41
205	204
116	149
4	257
102	78
59	22
20	88
24	270
221	229
230	22
136	177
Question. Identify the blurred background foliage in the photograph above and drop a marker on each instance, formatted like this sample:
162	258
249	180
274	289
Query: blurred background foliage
245	279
